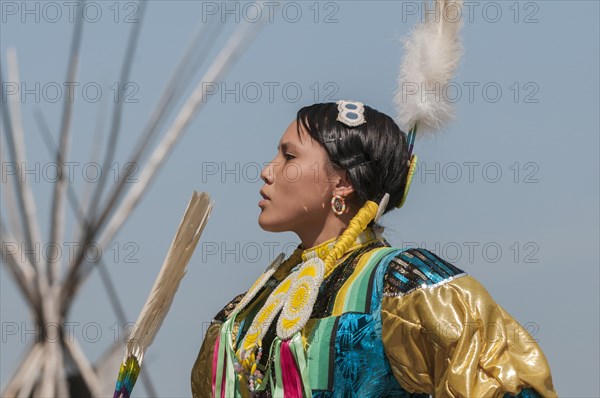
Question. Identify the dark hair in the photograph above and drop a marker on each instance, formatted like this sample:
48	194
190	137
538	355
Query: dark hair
374	154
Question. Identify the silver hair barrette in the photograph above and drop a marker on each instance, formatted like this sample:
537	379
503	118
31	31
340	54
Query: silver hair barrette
351	113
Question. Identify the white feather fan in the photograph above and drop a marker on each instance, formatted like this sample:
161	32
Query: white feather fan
162	294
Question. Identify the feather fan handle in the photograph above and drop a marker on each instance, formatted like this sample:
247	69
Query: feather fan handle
159	301
431	55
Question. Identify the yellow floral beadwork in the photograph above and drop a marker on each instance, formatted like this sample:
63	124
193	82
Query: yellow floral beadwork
301	298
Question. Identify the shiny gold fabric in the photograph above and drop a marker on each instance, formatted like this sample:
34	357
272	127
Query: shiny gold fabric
202	370
453	340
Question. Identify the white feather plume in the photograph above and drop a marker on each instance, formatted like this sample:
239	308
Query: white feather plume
170	275
431	56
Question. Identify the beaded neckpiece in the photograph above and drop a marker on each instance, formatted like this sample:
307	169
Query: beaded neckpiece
293	300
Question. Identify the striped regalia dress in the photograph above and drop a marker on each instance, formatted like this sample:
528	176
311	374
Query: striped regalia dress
385	323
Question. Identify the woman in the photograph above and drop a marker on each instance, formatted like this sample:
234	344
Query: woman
346	315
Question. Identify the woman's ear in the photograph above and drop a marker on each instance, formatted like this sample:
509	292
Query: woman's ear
342	184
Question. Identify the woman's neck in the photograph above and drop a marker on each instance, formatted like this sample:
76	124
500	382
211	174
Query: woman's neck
334	226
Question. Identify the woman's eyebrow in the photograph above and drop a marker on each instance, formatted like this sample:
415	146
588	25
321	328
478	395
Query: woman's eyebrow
285	145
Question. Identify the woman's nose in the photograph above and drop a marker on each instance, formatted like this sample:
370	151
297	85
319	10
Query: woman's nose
267	173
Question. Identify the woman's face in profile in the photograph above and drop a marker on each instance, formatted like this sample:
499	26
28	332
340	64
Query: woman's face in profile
298	184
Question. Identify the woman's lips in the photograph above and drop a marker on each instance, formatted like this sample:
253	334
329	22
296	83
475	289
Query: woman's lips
264	200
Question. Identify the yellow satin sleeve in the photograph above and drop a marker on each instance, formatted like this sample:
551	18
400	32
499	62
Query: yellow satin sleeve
453	340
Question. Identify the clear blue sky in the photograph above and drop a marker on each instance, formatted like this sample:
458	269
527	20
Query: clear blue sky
509	192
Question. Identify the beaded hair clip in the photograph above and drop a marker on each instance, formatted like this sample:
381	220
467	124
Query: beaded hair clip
351	113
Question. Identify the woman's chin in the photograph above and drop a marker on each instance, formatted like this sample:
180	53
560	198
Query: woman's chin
264	224
269	225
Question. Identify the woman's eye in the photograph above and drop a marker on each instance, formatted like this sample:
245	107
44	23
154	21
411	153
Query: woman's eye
288	156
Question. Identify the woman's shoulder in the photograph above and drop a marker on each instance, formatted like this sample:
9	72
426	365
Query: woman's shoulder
432	312
410	269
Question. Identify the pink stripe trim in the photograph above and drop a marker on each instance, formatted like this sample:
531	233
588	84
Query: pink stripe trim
215	360
292	384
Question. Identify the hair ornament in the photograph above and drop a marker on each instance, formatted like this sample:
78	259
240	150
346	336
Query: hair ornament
432	54
355	161
411	171
382	206
351	113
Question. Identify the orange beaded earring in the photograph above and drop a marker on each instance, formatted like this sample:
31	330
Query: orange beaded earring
338	204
